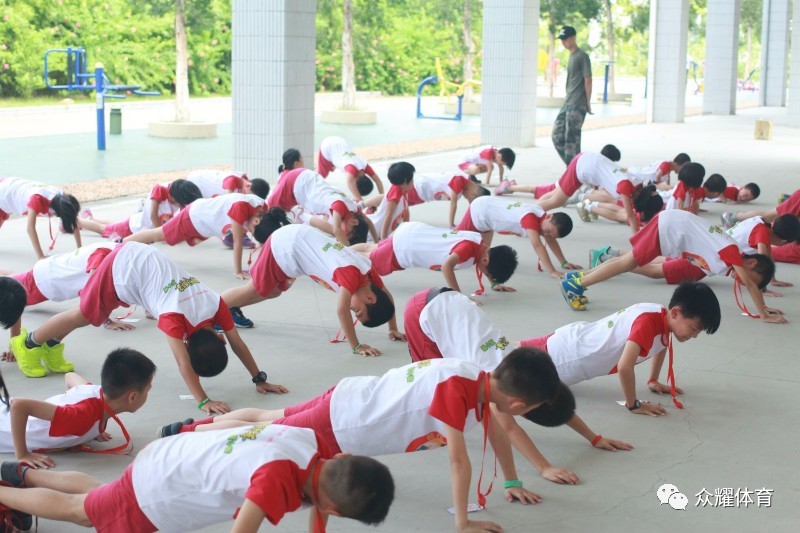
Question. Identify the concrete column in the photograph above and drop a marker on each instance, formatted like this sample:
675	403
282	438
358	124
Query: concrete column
508	79
722	51
666	70
793	105
774	52
274	47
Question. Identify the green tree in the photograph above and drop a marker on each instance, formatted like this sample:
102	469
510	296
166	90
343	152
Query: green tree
750	25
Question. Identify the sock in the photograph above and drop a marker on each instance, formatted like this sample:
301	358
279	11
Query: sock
188	428
611	252
591	205
30	343
53	342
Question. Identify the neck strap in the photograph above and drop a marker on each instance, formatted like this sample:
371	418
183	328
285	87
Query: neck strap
484	415
670	369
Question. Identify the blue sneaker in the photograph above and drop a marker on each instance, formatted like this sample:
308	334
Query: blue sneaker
782	198
240	320
596	254
572	292
569	276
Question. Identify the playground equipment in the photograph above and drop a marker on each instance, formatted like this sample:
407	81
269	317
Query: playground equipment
80	79
444	92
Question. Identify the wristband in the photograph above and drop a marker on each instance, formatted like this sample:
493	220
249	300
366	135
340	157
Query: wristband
511	483
597	439
205	401
564	263
652	380
355	350
494	285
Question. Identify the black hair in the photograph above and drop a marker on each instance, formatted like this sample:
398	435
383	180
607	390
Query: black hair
754	189
275	218
360	230
611	152
380	312
4	395
207	353
562	222
502	263
682	159
66	208
697	300
290	157
13	300
359	487
692	174
556	412
529	374
787	227
508	156
401	173
259	187
648	202
124	370
483	191
364	185
184	192
765	267
715	183
473	178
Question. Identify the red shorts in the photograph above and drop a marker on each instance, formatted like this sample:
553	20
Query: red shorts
541	190
98	296
538	342
113	508
324	167
788	253
466	223
180	229
645	242
383	259
27	281
3	216
791	205
266	274
314	414
677	270
465	165
420	346
122	229
569	183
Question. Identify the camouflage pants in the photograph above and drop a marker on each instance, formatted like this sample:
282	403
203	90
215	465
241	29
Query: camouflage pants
567	132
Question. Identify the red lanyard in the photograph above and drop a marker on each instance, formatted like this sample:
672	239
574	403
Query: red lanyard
319	523
478	272
485	419
670	369
343	337
52	238
737	293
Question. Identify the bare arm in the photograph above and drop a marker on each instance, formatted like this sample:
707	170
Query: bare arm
250	518
192	380
77	234
597	441
155	220
378	183
338	232
627	204
541	253
502	450
33	235
768	314
238	236
346	323
391	205
21	410
453	208
372	230
146	236
448	271
243	353
627	379
73	379
587	86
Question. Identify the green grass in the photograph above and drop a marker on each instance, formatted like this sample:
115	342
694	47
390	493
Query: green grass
84	98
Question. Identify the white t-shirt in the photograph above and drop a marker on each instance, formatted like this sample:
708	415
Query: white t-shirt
669	199
316	195
382	212
144	276
193	480
78	423
647	175
690	237
479	156
212	217
212	182
337	151
166	209
61	277
596	169
422	246
16	193
585	350
741	233
492	213
433	187
472	336
405	409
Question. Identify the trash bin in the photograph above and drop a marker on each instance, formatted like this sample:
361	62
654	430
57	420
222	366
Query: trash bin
115	127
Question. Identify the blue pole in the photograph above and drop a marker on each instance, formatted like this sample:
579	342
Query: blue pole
100	104
605	85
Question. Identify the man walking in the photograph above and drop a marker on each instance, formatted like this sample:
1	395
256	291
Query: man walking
567	128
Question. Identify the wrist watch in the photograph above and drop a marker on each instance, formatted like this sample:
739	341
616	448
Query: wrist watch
637	404
261	377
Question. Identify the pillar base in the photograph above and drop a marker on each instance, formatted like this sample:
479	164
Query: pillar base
349	116
182	130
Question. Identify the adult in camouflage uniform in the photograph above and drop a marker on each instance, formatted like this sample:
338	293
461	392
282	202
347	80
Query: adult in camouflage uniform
567	127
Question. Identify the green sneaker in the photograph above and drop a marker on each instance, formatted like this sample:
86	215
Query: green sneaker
54	359
596	254
28	359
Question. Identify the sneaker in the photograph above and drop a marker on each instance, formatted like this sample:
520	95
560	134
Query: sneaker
596	254
572	293
247	243
227	240
87	213
172	429
728	219
53	358
582	212
502	188
12	520
569	276
783	197
591	213
239	319
29	360
11	472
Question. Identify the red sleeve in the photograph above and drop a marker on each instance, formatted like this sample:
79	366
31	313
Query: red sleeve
173	324
731	192
223	316
457	184
680	191
160	193
76	419
341	208
531	221
395	193
665	168
276	487
351	169
467	250
39	204
759	235
625	187
699	194
176	326
232	183
349	277
452	401
369	172
96	258
376	279
731	255
487	154
241	211
645	328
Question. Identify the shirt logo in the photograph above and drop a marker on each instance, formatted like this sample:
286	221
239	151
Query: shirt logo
500	344
250	434
336	246
513	205
181	285
411	369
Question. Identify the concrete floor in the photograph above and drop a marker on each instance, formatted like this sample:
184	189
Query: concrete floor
738	429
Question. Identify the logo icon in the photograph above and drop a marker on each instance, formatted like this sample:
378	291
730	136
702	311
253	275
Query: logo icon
670	495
